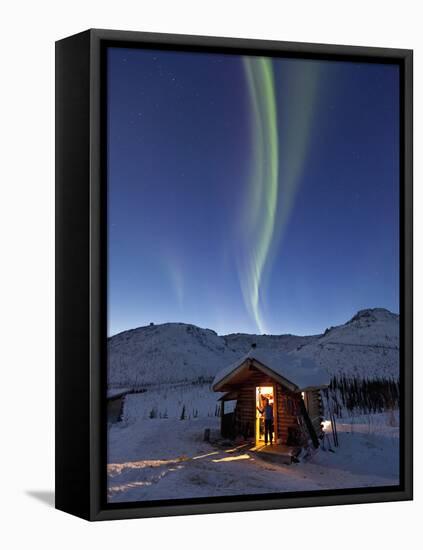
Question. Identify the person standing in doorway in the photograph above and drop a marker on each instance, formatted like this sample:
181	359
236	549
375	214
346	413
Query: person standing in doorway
267	412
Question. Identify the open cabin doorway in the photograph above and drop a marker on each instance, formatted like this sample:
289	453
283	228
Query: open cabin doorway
262	394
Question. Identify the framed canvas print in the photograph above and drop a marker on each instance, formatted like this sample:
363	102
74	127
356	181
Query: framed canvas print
233	274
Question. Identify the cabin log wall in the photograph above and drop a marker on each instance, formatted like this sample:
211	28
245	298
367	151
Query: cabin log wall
315	409
288	410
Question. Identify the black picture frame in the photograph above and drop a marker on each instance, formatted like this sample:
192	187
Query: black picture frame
81	274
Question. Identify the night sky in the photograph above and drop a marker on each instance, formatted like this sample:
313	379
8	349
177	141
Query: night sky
250	194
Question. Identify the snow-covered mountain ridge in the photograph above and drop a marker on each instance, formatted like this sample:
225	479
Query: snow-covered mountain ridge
366	346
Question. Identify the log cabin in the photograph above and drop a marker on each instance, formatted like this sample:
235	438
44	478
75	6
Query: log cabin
291	384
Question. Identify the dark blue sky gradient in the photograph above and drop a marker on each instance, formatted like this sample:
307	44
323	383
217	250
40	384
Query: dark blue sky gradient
179	151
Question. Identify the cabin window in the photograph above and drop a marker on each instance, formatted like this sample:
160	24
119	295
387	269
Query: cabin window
230	406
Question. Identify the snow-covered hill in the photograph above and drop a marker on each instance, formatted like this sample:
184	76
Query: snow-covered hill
367	345
172	352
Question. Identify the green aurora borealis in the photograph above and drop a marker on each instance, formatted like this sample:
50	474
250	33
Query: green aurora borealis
272	188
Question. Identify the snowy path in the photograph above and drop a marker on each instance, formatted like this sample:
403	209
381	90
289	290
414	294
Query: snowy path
161	459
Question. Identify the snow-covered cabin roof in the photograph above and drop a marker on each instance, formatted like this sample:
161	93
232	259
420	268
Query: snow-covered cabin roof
297	373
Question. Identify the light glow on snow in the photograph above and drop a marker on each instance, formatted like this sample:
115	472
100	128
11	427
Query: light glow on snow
204	456
232	458
117	469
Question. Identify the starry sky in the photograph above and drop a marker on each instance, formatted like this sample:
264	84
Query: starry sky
250	194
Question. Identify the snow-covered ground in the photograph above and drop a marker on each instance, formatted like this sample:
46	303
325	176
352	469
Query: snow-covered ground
158	452
153	459
172	401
